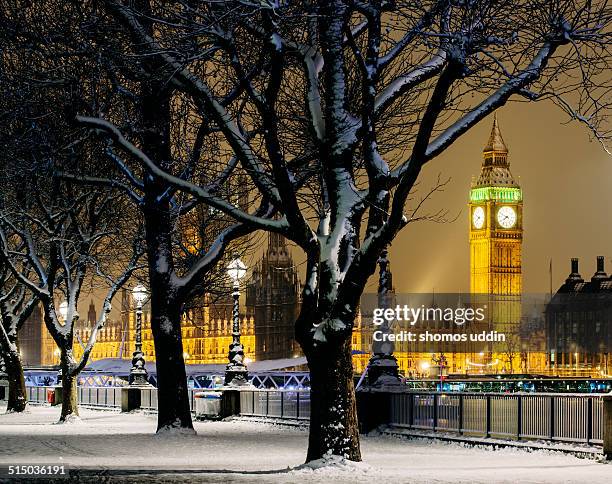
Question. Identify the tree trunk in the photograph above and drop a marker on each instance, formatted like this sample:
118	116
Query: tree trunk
17	398
333	409
172	392
173	410
70	406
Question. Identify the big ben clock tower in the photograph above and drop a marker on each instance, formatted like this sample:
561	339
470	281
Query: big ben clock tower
496	224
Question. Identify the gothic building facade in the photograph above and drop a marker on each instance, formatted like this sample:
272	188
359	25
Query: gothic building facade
267	319
273	301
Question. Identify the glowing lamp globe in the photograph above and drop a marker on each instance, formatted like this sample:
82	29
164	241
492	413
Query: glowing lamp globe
236	269
63	310
139	293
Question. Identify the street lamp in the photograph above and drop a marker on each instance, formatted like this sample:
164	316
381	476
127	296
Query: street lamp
236	372
3	374
138	373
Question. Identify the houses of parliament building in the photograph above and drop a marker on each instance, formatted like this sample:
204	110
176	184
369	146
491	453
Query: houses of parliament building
267	322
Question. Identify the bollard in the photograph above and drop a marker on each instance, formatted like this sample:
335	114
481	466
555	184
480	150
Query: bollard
130	398
607	426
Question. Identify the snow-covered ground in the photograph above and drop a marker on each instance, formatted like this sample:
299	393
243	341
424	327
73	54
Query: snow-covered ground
246	451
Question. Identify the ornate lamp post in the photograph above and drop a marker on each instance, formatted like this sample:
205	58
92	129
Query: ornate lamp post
3	374
236	373
138	373
383	369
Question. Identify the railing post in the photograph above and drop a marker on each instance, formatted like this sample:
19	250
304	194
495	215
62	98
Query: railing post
297	404
282	394
589	433
411	408
267	403
435	411
607	426
519	416
460	429
488	415
552	417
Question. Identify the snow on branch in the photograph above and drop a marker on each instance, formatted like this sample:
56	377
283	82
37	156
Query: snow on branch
116	284
184	79
188	187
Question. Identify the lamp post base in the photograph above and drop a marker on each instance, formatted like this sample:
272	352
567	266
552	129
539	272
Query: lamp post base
236	376
139	378
383	370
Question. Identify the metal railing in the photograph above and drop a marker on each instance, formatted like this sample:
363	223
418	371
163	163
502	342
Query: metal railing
107	397
99	396
38	394
148	398
551	416
289	404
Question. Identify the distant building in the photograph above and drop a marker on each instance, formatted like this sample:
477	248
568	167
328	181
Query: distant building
496	223
91	314
30	339
495	243
273	300
579	324
267	318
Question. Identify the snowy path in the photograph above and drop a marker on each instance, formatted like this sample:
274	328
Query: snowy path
241	451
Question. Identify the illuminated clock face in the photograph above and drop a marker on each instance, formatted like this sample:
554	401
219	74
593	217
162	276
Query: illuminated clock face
478	217
506	217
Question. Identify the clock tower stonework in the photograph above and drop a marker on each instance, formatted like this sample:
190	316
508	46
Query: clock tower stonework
496	224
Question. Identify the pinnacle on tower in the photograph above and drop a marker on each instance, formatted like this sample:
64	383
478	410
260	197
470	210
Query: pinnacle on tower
496	141
495	170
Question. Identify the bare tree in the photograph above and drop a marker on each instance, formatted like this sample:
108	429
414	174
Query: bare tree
67	244
185	239
111	77
16	306
55	236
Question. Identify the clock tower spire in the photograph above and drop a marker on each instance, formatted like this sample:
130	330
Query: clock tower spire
496	223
